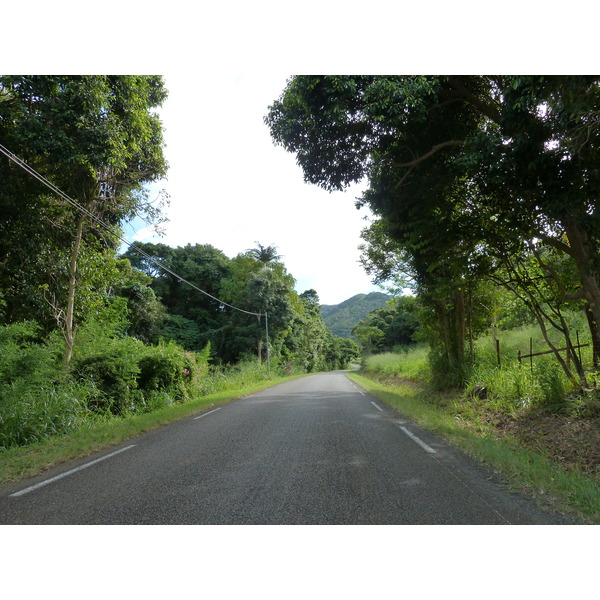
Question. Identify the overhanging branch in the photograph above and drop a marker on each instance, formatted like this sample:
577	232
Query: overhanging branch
434	150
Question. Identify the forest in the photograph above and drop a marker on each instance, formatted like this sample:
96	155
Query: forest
90	332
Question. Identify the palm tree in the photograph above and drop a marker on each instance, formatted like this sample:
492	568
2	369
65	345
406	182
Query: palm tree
264	254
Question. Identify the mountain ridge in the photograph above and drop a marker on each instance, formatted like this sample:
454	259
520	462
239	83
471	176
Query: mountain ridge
342	318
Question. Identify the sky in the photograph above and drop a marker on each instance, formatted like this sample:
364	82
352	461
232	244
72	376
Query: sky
231	187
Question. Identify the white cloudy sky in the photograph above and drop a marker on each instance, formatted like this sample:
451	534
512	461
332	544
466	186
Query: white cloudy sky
230	186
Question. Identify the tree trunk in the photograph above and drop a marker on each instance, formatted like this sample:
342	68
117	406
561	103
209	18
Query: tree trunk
460	317
595	331
69	332
583	253
447	334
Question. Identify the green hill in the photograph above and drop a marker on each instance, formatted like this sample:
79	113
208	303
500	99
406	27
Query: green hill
342	318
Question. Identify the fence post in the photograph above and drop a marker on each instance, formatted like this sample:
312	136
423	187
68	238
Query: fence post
498	354
531	355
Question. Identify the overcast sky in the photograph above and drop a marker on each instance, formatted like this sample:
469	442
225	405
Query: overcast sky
230	186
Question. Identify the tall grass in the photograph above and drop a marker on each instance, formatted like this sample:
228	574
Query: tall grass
221	378
411	363
534	382
508	385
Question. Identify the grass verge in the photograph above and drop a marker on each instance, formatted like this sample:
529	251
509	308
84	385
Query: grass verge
27	461
548	483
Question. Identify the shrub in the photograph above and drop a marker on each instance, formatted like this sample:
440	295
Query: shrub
109	376
24	354
113	373
171	369
131	377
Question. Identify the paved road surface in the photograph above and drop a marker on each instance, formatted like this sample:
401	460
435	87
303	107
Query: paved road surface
315	450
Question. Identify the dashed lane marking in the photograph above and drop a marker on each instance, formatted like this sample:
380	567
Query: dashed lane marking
206	414
421	443
66	473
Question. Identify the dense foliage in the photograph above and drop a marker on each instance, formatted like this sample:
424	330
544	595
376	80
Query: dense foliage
393	325
98	139
87	334
476	181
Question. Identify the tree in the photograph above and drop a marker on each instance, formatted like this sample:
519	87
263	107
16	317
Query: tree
268	293
202	265
264	254
468	153
345	128
145	311
369	337
98	140
343	353
397	321
310	343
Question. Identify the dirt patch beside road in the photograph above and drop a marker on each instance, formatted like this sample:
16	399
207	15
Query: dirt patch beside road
572	442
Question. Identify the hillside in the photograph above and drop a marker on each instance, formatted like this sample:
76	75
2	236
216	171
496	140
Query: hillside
342	318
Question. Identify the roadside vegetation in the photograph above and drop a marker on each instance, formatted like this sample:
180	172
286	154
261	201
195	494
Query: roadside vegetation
524	419
93	432
92	340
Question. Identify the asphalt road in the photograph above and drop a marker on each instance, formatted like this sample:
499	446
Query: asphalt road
315	450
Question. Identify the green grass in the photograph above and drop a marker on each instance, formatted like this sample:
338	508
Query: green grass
413	364
20	462
545	481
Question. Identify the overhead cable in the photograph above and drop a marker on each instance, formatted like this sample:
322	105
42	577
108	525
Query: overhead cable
21	163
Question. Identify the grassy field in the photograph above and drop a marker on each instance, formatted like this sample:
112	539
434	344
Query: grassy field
527	426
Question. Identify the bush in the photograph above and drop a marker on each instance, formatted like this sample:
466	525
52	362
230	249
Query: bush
36	398
169	368
109	376
24	353
113	372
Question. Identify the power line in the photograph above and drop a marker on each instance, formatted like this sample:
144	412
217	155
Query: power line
21	163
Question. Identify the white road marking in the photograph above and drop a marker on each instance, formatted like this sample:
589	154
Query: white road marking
206	413
80	468
421	443
377	407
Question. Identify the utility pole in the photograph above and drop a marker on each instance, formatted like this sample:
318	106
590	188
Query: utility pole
268	351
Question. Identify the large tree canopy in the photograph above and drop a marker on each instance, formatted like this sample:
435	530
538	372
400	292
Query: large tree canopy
99	140
457	163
